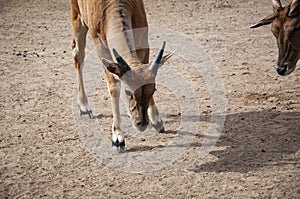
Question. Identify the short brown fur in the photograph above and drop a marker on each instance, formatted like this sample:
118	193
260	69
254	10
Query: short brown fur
286	29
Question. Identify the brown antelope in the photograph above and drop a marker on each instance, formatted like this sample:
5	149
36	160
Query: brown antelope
286	28
104	19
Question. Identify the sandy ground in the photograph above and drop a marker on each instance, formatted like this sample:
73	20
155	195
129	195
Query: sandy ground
42	154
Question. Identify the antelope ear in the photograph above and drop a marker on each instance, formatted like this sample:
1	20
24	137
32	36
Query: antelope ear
166	57
294	7
118	69
268	20
112	67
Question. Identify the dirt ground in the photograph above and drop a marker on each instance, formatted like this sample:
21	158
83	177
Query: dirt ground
42	154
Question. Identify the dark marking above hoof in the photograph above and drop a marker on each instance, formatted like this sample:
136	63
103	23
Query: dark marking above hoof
118	147
118	144
89	113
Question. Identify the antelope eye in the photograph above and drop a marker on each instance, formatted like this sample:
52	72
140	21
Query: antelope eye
152	93
294	39
154	90
276	30
128	94
296	29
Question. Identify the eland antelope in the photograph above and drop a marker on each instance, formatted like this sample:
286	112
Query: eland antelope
124	53
286	28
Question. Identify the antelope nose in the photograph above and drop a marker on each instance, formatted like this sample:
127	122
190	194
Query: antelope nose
281	70
142	123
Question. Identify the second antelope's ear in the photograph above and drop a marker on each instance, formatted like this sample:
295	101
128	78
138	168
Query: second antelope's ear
295	8
268	20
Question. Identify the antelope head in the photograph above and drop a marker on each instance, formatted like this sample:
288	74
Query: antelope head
286	29
139	84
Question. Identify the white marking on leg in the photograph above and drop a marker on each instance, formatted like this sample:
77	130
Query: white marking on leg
117	133
155	119
115	98
154	114
81	96
82	22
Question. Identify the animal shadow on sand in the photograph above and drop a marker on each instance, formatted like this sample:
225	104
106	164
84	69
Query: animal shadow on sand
256	139
249	140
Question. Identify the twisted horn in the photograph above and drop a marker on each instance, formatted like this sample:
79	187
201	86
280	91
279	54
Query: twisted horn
156	62
295	4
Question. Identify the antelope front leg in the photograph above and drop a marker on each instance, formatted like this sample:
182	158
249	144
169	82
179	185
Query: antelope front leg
118	141
81	97
78	46
155	119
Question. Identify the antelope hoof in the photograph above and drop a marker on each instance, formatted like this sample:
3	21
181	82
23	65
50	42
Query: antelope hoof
88	112
159	127
162	130
118	147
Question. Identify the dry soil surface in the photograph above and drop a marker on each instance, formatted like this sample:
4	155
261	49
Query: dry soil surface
42	152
